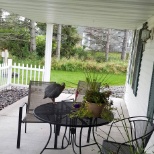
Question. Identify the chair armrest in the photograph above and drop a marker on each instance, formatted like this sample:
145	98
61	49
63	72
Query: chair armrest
23	104
21	110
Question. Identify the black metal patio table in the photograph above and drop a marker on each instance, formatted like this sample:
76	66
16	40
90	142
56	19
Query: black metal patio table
58	115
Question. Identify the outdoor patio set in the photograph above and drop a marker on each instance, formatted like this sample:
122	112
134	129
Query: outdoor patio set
66	131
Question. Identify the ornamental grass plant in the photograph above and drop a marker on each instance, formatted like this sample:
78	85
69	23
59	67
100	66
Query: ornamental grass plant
94	82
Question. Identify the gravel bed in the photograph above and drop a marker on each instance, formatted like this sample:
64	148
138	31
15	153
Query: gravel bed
117	91
8	97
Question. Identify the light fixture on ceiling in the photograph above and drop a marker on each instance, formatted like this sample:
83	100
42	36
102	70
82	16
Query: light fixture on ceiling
145	32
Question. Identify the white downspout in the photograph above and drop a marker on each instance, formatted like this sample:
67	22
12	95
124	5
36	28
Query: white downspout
48	52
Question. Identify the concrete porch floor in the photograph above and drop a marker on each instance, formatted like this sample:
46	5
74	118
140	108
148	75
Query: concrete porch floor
37	134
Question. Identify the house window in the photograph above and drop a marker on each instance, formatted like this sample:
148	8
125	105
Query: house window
135	64
150	112
133	55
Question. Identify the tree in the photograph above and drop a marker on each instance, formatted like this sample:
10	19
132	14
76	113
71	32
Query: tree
124	45
41	28
70	38
58	42
1	18
97	39
107	44
32	36
18	34
94	38
14	35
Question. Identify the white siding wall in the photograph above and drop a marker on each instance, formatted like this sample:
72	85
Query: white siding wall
138	105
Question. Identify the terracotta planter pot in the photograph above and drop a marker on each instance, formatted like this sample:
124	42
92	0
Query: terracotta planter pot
95	108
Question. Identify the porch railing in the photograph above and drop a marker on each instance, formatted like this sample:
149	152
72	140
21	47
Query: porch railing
19	74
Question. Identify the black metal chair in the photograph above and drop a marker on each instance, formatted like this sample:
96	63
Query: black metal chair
35	98
80	91
128	136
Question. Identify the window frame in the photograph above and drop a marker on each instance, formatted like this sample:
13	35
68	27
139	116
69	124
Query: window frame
135	63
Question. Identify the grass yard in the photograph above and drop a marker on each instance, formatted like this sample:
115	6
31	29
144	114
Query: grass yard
71	78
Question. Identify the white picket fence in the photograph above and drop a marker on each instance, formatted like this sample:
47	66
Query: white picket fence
19	74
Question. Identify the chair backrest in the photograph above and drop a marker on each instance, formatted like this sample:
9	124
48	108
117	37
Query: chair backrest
81	90
134	131
143	130
36	94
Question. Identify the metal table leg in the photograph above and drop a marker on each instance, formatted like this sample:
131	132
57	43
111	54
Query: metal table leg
95	139
80	140
56	139
47	140
73	138
89	131
57	129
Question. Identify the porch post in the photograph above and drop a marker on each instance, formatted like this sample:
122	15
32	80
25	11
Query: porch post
48	52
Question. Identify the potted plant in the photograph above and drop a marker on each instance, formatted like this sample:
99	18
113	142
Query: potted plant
96	100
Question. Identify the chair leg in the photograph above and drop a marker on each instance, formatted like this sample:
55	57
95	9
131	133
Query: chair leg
25	127
54	128
19	127
58	130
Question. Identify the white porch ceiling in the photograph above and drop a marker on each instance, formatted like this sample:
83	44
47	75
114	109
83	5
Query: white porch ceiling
120	14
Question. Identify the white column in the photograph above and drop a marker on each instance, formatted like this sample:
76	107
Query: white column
48	52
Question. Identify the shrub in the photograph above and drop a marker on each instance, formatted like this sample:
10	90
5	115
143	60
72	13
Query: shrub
100	57
40	45
19	49
32	59
80	53
74	64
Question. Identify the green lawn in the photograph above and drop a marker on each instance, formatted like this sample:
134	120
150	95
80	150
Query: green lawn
71	78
